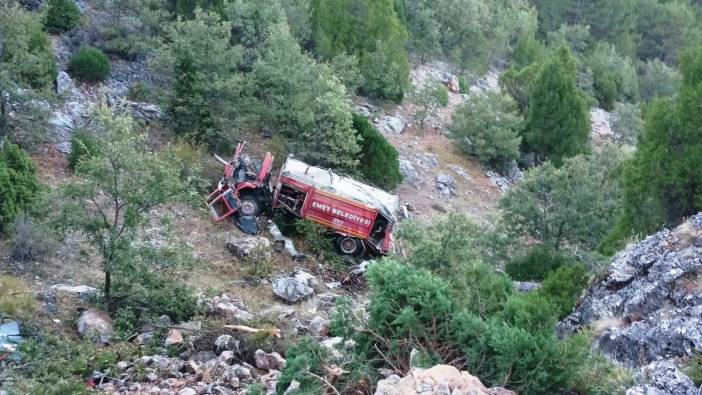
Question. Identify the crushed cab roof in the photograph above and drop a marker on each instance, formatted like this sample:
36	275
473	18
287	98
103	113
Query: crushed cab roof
327	180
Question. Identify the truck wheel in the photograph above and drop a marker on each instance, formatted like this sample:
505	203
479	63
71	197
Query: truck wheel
250	206
349	245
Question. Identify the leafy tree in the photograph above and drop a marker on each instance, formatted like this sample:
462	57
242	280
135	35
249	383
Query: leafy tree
564	287
204	87
662	182
518	83
487	127
574	204
666	28
379	162
627	122
370	30
656	79
423	27
19	188
62	16
302	100
27	74
614	76
429	99
89	64
558	124
83	146
115	194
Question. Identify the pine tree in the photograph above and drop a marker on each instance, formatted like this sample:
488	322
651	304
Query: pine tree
663	182
558	124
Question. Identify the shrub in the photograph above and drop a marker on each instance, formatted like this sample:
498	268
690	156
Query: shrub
19	187
533	312
315	236
62	16
29	242
564	285
89	64
485	291
15	301
487	127
83	146
693	369
596	374
536	264
379	162
304	357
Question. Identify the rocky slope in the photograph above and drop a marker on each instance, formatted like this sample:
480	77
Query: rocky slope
647	310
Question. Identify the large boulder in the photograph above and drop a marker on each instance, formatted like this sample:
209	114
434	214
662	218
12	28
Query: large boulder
294	288
440	379
96	326
319	327
664	378
648	308
269	361
392	125
445	186
244	246
226	306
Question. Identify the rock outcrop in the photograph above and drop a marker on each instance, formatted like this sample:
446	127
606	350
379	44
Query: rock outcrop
648	308
96	326
440	379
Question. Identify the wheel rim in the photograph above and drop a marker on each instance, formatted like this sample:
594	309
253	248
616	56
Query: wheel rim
248	207
347	245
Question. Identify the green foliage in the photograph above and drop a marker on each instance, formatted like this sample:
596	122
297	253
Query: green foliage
429	99
116	192
302	100
483	290
597	374
89	64
518	83
537	264
487	127
575	204
614	76
657	80
662	182
304	357
626	122
19	188
62	16
693	369
203	84
316	236
83	146
564	286
666	28
558	124
533	312
379	162
342	318
370	30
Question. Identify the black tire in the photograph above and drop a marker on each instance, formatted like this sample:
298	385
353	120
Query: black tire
350	246
250	205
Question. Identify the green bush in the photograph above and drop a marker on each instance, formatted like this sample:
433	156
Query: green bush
316	236
536	264
306	356
62	16
487	127
29	241
379	162
564	285
83	146
89	64
19	188
693	369
533	312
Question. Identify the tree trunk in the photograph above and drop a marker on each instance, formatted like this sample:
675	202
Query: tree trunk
108	296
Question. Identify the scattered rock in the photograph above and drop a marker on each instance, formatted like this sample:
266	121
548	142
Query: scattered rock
173	337
187	391
294	288
525	286
243	246
293	388
440	379
453	84
227	343
410	175
319	327
332	344
445	186
269	361
64	83
78	290
270	381
96	326
229	307
64	147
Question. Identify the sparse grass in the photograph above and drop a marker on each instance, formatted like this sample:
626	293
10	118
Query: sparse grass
16	298
693	369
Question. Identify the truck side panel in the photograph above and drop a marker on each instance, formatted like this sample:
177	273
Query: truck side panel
339	214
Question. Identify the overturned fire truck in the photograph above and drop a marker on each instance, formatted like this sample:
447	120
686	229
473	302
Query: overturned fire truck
360	217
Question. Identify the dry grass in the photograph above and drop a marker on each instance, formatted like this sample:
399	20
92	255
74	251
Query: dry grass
17	300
